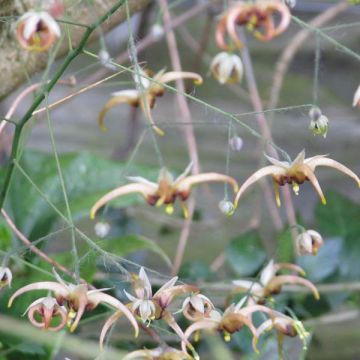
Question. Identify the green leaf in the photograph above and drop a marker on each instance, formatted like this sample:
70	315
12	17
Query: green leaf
245	253
5	235
285	249
125	245
341	218
196	271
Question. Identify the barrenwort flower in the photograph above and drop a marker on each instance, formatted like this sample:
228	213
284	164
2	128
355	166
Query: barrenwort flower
227	68
308	242
77	299
356	101
270	282
197	307
148	89
5	277
319	124
258	17
294	174
37	31
165	191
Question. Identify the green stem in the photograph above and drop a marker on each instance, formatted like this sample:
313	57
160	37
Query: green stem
41	96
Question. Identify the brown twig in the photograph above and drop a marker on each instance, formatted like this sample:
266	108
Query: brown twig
37	251
294	46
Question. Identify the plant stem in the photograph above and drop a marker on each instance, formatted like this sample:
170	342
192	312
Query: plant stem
41	96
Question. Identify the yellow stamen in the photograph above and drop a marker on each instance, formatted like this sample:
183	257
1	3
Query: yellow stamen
227	336
185	211
169	209
296	188
197	336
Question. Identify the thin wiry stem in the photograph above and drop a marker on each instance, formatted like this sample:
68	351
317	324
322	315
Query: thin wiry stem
41	96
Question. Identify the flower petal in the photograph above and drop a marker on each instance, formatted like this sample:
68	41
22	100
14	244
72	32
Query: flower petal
176	75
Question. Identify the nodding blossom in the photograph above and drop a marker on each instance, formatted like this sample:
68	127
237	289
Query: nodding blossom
148	306
37	31
270	283
148	89
257	17
295	174
5	277
227	68
308	243
76	299
165	191
319	124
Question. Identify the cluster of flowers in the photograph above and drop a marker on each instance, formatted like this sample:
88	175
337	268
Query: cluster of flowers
69	302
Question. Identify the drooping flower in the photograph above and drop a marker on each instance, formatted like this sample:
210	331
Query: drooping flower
77	299
356	101
197	307
227	68
319	124
47	308
159	353
149	306
271	283
258	17
165	191
308	242
37	31
295	174
5	277
148	89
232	320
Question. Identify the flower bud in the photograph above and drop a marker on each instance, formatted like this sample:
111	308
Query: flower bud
236	143
319	123
197	307
356	101
157	31
226	207
105	60
102	229
5	277
308	243
227	68
37	31
290	3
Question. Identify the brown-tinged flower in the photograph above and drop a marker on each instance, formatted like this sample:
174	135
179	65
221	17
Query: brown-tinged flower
197	307
308	242
159	353
147	90
295	174
37	31
258	17
77	299
271	283
148	306
232	320
5	277
47	308
227	68
356	101
165	191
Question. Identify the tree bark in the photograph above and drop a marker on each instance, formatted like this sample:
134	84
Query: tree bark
16	64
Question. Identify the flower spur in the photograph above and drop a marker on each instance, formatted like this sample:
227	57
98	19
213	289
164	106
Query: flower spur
148	89
165	191
257	17
76	298
295	174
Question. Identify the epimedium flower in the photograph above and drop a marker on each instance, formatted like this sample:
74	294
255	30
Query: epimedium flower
270	283
295	174
227	68
47	308
147	90
159	353
234	318
308	242
319	124
76	298
197	307
149	306
37	31
356	100
5	277
258	17
165	191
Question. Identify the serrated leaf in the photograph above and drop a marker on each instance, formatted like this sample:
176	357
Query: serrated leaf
245	254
